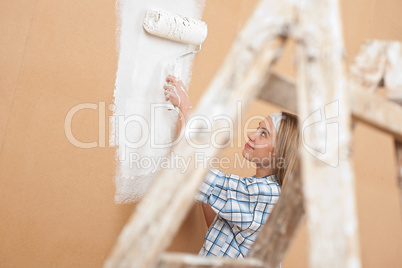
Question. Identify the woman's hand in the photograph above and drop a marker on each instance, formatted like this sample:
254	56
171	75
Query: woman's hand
176	93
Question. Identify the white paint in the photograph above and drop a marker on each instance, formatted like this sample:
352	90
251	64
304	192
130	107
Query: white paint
144	62
175	27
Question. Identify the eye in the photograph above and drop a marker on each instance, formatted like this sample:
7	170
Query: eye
263	133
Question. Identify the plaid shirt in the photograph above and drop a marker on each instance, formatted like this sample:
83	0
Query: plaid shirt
242	205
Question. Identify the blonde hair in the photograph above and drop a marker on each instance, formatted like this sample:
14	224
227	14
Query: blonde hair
287	146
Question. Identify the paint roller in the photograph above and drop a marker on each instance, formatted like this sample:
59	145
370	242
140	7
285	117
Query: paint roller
177	28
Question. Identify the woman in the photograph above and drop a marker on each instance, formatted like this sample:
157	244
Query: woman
236	207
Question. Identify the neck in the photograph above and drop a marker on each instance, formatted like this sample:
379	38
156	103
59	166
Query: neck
262	172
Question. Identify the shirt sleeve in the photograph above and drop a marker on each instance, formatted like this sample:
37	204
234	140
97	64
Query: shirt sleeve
231	197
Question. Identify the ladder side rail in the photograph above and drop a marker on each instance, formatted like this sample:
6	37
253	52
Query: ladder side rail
281	228
328	179
398	150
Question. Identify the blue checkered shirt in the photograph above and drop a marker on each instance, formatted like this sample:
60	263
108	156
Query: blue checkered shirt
242	205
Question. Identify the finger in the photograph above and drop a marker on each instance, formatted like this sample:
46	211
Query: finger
171	79
168	87
168	94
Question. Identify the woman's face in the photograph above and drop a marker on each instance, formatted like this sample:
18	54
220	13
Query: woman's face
260	147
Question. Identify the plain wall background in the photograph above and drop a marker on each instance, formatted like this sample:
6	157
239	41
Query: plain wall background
56	200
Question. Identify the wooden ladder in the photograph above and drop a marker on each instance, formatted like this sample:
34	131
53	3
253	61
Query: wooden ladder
321	187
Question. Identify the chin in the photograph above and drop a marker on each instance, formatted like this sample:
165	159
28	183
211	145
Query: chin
243	153
246	155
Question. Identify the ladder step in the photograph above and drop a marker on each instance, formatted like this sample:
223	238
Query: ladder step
377	111
365	106
280	90
182	260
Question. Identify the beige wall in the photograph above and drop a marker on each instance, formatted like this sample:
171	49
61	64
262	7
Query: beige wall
56	200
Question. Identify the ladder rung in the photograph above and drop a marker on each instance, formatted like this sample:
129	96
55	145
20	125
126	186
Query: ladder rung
377	111
178	260
280	90
365	106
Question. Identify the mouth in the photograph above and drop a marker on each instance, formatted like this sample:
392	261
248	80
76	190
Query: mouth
249	146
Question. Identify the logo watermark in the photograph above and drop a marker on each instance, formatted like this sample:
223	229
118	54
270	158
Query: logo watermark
136	132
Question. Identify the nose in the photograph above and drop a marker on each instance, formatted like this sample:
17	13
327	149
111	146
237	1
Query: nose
251	135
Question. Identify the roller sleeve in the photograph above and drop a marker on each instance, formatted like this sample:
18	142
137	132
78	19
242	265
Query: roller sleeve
175	27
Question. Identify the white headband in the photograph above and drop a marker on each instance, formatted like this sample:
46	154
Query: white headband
276	119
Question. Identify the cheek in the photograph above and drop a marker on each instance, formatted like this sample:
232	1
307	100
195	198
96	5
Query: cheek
265	152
